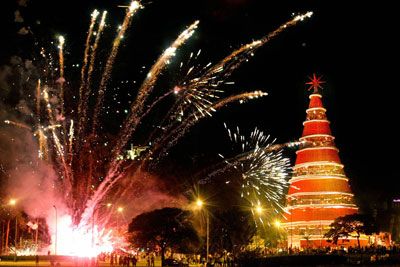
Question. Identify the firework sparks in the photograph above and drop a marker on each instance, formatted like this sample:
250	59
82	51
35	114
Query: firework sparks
94	15
87	178
18	124
231	62
134	6
61	80
194	92
137	107
263	170
86	85
71	138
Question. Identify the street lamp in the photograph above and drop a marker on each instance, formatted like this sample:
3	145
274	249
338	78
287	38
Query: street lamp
55	245
259	210
291	229
120	210
13	202
200	204
278	224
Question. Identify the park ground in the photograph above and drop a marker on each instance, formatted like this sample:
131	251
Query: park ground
67	263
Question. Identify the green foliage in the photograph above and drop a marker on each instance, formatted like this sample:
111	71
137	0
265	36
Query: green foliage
164	228
351	225
232	230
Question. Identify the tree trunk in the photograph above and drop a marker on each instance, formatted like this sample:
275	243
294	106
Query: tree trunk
2	237
358	240
162	255
7	235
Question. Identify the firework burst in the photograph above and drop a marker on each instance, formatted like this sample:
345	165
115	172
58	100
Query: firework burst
263	170
88	170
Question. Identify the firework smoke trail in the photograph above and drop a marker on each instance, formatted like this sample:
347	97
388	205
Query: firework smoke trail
158	100
38	93
188	84
94	15
226	66
59	148
136	112
83	101
100	193
86	89
134	6
18	124
43	149
61	80
197	93
240	97
166	142
216	75
137	109
215	71
193	94
158	67
61	43
71	140
42	139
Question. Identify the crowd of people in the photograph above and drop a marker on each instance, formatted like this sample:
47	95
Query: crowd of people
120	259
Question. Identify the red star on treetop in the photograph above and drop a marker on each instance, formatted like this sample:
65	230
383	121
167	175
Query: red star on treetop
315	83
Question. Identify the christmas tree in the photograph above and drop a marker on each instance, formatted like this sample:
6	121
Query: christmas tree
319	191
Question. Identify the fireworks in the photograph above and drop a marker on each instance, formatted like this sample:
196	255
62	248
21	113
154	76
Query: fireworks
264	171
89	171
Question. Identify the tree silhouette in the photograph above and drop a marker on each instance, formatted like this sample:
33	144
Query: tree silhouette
232	230
353	225
165	228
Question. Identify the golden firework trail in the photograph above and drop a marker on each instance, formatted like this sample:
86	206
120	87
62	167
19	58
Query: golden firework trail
134	6
61	80
94	15
43	148
57	144
196	98
136	112
18	124
231	62
86	84
38	98
240	97
162	61
170	139
71	140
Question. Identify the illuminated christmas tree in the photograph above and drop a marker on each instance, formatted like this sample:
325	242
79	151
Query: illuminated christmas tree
319	191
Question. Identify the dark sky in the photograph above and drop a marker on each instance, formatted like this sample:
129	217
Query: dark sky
353	47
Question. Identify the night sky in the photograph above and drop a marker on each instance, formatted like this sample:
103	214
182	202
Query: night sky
353	47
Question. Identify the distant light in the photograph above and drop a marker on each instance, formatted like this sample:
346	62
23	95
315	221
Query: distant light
199	203
61	40
12	202
259	209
